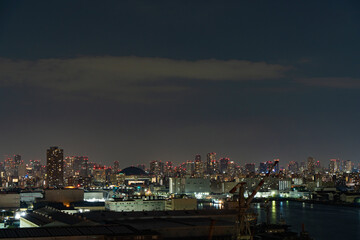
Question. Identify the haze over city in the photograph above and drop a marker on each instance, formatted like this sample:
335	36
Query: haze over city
134	82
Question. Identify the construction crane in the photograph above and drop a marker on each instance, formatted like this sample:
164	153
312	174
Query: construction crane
242	226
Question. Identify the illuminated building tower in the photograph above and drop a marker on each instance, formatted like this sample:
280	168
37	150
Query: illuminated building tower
342	165
77	164
69	167
250	168
84	171
311	165
190	168
302	166
268	164
99	174
156	168
168	168
198	165
293	167
333	168
277	166
9	167
116	166
224	165
348	166
55	167
231	168
317	166
211	165
35	165
17	162
262	168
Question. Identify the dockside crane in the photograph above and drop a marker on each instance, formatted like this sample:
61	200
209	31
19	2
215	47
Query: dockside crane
242	225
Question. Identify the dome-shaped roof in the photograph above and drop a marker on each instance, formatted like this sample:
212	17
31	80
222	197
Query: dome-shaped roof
133	171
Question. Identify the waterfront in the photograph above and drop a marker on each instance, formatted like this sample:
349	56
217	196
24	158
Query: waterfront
323	222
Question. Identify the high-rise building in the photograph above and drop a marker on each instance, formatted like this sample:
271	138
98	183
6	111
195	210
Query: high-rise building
311	165
84	171
348	166
276	167
116	166
190	167
55	167
224	165
262	168
156	168
293	167
211	164
333	166
17	162
232	168
168	168
198	165
250	168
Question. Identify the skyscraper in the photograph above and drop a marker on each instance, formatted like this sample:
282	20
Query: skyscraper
311	165
348	166
211	164
198	165
293	167
224	164
333	166
250	168
55	167
17	161
156	167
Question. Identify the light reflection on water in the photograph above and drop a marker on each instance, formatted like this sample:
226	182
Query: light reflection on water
323	222
210	206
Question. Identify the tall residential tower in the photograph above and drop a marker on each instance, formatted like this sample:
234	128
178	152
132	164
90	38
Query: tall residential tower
55	167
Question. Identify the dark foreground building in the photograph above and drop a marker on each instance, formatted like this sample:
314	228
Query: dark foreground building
118	232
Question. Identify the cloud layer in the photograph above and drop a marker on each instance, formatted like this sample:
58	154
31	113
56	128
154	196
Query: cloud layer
331	82
120	77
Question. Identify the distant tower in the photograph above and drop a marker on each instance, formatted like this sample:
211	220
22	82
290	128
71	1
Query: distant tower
17	161
84	167
168	168
198	165
293	167
116	166
224	165
190	167
348	166
333	167
211	165
311	165
55	167
262	167
250	168
156	167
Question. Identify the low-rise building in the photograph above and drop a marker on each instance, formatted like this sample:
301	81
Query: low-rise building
189	185
65	196
137	204
181	204
9	200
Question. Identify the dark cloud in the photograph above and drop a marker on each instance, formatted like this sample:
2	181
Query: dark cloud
129	78
332	82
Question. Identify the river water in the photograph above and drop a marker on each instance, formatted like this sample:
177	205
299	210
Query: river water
323	222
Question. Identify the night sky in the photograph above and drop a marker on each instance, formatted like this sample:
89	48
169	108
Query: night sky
136	81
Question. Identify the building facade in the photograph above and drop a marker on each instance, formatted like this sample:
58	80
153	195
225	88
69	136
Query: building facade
55	167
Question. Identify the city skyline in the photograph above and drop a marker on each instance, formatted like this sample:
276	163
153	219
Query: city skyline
134	82
196	158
